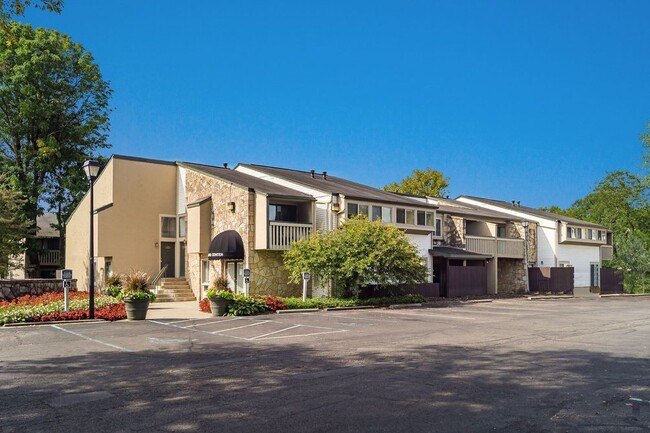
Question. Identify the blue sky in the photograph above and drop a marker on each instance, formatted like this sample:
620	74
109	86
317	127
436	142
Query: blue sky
533	101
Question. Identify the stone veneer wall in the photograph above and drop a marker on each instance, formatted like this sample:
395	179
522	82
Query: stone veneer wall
454	235
512	276
199	186
11	289
268	275
515	230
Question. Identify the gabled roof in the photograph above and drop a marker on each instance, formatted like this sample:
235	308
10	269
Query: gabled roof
336	185
535	212
455	207
247	181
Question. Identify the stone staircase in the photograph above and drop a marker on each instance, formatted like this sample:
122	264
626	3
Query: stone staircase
174	289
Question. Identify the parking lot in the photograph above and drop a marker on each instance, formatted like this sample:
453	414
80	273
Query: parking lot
508	365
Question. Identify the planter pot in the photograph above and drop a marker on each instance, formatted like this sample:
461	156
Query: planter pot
136	309
219	306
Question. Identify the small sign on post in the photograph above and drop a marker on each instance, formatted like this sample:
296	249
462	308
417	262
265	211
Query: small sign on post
66	276
305	277
247	280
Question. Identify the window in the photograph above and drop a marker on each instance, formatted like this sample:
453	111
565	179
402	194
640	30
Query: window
430	219
501	231
182	226
569	232
578	233
353	209
590	234
168	227
282	212
401	216
438	226
387	214
421	218
376	213
363	210
600	235
410	217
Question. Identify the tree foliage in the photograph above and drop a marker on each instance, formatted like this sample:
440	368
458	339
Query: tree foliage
429	182
53	114
361	252
13	8
13	227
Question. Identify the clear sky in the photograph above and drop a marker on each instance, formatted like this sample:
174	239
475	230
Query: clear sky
526	100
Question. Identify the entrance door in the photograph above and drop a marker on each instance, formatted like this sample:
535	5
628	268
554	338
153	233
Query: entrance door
595	274
168	257
235	272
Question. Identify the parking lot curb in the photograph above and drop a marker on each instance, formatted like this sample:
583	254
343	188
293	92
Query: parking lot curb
476	301
298	310
57	322
361	307
555	297
400	306
623	295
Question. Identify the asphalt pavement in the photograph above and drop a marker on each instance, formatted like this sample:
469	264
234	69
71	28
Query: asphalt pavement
567	365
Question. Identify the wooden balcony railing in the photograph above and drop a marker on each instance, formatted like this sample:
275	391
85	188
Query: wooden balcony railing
497	247
481	245
52	257
510	248
282	234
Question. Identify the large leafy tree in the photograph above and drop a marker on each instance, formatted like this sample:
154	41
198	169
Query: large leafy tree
14	229
54	114
361	252
427	182
11	8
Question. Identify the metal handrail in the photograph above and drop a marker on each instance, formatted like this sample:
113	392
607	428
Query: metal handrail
156	279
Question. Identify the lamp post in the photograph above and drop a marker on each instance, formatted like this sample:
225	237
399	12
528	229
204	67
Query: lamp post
91	168
524	224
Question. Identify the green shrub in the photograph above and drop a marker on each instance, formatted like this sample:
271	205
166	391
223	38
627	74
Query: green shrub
298	303
243	305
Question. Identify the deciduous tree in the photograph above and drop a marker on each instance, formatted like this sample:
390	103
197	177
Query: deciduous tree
53	112
360	253
429	182
13	227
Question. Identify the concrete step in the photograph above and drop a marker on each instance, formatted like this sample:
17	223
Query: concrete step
175	298
175	286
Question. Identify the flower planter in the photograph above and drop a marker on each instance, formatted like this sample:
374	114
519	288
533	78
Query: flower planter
136	309
219	306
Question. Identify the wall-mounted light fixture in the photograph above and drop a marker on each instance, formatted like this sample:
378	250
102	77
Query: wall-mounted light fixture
155	244
336	202
231	206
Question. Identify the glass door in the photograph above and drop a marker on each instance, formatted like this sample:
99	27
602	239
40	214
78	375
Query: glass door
235	276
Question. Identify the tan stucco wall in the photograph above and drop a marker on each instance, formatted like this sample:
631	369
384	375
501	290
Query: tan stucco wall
128	230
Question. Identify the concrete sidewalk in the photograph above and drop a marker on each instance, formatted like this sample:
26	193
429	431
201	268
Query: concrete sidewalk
176	310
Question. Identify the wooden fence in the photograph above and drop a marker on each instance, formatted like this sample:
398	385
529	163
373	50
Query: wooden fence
466	281
611	281
548	279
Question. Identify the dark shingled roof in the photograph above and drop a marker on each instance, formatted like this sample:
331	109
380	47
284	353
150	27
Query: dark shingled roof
247	181
457	253
536	212
455	207
337	185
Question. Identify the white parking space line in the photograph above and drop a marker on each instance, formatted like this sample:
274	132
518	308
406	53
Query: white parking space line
94	340
195	330
211	322
241	327
274	332
302	335
438	313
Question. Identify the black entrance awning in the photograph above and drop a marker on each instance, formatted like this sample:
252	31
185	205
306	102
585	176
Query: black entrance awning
226	245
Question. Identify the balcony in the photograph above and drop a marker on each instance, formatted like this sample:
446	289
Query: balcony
497	247
606	252
50	258
283	234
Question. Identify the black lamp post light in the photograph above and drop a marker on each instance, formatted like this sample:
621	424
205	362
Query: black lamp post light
91	168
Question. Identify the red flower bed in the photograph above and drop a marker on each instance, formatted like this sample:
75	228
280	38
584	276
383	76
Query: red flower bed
45	298
111	313
273	303
204	305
